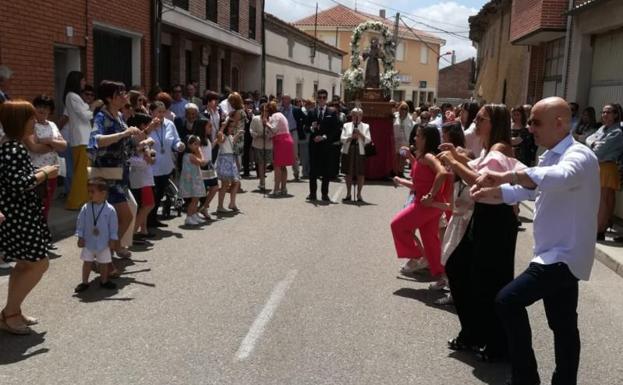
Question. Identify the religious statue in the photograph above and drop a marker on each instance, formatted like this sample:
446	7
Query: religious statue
372	55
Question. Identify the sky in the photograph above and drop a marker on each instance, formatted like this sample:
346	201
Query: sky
446	15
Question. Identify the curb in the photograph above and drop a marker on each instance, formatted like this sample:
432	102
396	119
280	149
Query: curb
600	255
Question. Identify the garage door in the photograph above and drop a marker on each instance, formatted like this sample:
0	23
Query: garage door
607	75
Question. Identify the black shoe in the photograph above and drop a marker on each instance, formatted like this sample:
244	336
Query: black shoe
311	198
601	236
326	198
347	199
108	285
158	224
80	288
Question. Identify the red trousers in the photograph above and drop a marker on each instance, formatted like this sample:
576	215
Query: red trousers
426	219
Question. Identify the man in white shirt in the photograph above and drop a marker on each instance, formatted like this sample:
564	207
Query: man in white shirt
566	187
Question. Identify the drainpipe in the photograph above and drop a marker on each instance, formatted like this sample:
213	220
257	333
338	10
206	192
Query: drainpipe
156	30
567	59
263	78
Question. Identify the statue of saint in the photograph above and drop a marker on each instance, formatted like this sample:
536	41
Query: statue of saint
372	55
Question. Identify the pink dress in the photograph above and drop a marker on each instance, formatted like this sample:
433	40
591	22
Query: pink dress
283	145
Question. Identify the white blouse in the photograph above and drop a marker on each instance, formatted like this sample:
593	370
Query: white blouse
79	124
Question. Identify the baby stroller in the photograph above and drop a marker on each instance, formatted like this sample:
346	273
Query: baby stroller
172	200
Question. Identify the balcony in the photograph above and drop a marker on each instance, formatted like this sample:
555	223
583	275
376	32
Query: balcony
538	21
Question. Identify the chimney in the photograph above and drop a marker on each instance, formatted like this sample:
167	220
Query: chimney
382	13
453	57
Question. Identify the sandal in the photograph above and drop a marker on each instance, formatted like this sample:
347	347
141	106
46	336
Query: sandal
29	321
22	330
124	253
347	198
458	345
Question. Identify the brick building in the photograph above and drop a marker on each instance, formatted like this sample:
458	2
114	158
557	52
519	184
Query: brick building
501	68
456	82
215	43
541	26
42	42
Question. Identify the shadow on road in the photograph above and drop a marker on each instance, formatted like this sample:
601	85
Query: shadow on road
489	373
19	348
426	296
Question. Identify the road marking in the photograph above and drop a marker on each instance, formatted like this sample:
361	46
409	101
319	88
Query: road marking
259	325
337	194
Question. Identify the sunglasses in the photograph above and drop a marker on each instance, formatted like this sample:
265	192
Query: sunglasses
322	98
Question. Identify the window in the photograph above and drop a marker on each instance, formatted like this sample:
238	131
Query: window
189	66
422	98
234	15
279	88
181	4
315	88
299	90
333	90
330	63
290	47
554	57
252	21
431	98
423	54
400	51
211	10
235	79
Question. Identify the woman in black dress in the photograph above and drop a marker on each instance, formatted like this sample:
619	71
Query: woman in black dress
24	235
483	262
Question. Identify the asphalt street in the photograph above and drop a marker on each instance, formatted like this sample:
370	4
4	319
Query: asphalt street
286	292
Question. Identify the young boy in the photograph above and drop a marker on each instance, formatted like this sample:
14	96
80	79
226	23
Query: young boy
97	234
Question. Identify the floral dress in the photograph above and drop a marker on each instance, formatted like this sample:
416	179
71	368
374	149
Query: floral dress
24	235
191	183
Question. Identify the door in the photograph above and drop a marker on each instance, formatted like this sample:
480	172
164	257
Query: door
66	59
112	56
606	76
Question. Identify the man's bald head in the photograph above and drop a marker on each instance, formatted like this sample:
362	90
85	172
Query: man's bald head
550	121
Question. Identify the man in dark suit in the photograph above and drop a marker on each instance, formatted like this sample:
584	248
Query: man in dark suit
324	130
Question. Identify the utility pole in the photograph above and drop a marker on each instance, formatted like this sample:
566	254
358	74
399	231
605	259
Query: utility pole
156	33
396	26
263	65
313	55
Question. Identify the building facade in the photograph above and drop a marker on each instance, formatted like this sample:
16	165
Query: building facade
299	65
456	82
501	68
417	55
42	43
216	43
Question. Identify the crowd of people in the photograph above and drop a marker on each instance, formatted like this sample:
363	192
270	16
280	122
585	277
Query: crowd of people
129	156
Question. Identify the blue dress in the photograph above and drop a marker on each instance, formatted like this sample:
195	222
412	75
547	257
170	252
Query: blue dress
191	183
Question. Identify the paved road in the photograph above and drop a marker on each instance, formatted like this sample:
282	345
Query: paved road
287	292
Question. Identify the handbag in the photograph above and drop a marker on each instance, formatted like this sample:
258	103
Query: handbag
106	173
369	149
208	172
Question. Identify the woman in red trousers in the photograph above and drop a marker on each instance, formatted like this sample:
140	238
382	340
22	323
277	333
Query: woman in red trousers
427	180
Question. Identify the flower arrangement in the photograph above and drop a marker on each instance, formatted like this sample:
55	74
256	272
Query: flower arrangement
353	77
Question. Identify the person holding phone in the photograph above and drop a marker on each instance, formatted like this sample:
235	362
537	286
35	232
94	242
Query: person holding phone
355	135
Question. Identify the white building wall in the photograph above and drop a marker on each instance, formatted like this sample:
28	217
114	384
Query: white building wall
300	68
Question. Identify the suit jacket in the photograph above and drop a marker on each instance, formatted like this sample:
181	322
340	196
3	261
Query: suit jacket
321	158
4	97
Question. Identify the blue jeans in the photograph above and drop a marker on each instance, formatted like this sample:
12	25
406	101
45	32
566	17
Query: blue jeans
558	288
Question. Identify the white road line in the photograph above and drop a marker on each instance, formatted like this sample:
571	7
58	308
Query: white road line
337	194
257	329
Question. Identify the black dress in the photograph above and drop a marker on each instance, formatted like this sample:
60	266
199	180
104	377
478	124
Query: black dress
24	235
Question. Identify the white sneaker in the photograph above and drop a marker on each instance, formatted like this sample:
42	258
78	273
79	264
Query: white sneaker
197	218
414	265
439	285
4	265
190	221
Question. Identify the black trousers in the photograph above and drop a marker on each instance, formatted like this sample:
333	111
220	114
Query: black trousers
480	267
558	288
160	184
246	153
313	185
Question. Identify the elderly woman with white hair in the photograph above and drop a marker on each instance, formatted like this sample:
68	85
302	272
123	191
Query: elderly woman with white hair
355	135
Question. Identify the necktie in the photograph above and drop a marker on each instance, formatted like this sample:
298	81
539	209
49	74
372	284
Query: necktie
322	113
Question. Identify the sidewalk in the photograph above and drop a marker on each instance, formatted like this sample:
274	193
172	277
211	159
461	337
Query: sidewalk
608	252
62	223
